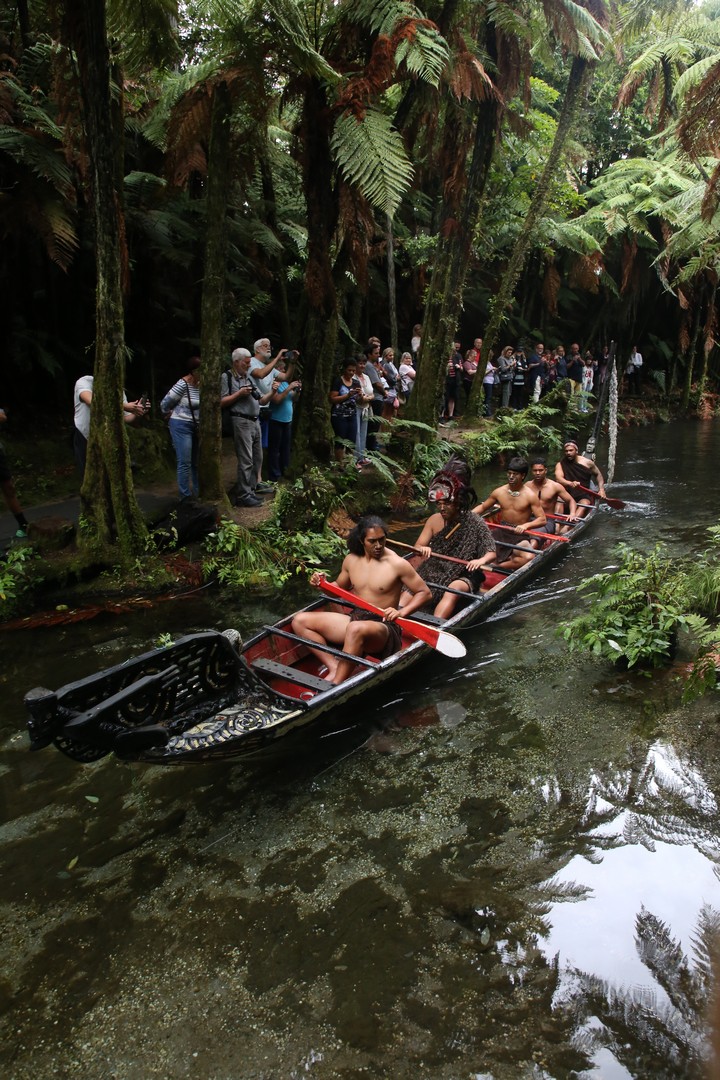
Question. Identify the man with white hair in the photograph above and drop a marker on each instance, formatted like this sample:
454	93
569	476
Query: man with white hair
261	372
240	395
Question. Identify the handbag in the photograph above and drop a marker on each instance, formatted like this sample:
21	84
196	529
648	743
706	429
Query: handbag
226	415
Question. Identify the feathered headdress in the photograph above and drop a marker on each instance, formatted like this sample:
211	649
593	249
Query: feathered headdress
452	484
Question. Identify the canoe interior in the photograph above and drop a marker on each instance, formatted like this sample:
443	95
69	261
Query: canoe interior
206	697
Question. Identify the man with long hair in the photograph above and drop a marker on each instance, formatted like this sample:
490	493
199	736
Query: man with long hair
377	575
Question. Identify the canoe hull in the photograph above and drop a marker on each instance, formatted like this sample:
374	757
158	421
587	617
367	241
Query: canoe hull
207	697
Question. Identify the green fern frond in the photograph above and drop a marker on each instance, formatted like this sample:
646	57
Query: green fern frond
297	42
371	155
174	87
426	54
144	31
36	155
695	75
61	239
510	21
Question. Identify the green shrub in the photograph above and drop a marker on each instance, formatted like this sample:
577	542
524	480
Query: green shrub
638	608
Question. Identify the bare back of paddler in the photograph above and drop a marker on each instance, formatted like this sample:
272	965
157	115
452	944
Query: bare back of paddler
573	470
520	510
553	497
376	575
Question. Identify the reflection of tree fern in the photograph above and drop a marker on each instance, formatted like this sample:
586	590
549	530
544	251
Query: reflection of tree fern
653	1037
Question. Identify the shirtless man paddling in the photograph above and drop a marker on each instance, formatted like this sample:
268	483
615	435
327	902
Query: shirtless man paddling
377	575
521	510
553	497
573	469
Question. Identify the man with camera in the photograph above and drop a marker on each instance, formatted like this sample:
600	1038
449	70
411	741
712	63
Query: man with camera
262	373
242	397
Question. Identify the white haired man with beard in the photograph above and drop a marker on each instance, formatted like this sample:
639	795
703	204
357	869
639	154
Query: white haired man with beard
261	372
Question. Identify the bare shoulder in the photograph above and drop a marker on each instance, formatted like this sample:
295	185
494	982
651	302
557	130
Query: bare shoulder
394	559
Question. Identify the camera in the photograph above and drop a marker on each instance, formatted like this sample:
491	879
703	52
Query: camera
255	393
291	355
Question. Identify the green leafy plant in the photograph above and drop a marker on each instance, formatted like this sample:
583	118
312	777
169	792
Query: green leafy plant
429	458
14	578
634	615
265	558
638	608
516	433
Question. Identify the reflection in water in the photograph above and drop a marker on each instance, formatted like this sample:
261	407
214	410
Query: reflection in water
444	884
659	1033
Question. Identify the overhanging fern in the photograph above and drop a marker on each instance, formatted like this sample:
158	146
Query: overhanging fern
372	156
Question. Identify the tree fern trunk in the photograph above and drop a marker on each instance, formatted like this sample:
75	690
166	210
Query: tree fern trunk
212	347
708	333
444	301
392	291
313	438
580	73
691	354
108	501
278	261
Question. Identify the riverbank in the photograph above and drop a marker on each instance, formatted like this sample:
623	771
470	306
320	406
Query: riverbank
48	489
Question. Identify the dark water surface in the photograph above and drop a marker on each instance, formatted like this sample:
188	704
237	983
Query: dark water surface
504	871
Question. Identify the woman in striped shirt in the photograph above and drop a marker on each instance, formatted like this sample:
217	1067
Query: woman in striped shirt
182	403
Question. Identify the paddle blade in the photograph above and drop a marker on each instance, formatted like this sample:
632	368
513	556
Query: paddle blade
444	643
449	645
617	504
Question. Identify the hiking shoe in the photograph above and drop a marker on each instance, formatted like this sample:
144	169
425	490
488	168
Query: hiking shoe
21	534
249	500
264	488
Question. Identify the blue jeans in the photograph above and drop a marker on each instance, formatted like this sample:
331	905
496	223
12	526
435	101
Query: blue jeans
185	443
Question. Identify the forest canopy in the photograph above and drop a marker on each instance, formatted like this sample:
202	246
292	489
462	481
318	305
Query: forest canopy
218	170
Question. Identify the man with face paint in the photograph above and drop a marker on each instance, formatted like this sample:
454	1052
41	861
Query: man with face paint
453	530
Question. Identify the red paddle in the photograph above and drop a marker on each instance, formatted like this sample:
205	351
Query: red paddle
531	532
445	643
617	504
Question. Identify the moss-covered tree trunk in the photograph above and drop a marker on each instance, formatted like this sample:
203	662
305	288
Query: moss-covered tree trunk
212	348
709	331
460	218
312	438
108	500
282	309
580	75
692	350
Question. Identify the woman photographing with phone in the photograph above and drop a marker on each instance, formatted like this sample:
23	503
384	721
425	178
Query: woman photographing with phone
344	393
182	403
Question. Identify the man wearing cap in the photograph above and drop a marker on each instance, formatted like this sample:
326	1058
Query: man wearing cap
521	510
452	530
574	471
243	399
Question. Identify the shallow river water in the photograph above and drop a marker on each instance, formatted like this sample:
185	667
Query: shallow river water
505	868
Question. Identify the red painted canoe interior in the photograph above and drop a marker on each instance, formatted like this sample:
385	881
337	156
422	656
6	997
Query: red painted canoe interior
293	655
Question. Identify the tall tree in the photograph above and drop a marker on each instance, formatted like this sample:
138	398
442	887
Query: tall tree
108	501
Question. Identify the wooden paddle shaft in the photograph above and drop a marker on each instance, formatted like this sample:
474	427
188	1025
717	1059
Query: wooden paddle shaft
528	532
435	554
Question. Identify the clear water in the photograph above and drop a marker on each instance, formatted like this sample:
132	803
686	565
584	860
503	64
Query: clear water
500	869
